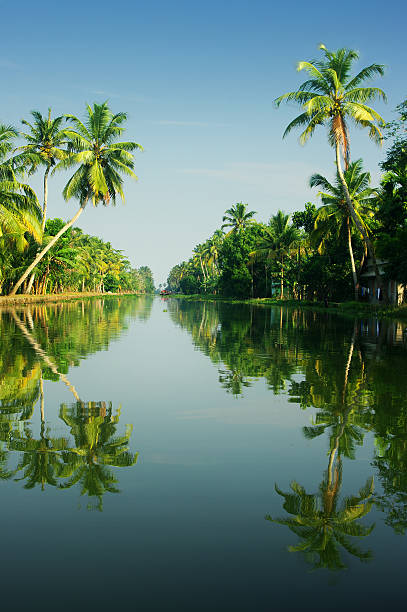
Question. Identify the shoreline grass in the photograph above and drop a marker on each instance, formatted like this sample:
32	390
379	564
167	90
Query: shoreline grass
348	309
50	298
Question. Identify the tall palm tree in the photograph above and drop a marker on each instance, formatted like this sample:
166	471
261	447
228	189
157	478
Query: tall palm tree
334	215
332	96
238	217
46	146
279	237
101	162
46	143
20	212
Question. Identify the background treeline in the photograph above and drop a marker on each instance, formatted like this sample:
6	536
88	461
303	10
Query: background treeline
319	252
43	255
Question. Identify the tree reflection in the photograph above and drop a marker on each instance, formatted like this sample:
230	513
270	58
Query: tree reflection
40	461
42	342
355	386
97	447
322	522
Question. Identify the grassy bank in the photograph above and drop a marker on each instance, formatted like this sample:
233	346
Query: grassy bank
19	300
353	309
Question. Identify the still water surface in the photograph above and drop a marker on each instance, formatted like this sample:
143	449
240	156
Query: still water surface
166	455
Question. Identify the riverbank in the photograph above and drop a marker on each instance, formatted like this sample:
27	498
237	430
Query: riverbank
353	309
21	300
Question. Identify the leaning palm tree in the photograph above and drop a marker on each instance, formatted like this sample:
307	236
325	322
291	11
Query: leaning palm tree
332	96
20	212
333	217
101	162
237	217
279	237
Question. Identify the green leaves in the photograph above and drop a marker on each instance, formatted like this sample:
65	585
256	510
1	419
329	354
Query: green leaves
330	93
20	212
92	144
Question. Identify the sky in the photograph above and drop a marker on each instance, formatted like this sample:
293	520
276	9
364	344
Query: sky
198	81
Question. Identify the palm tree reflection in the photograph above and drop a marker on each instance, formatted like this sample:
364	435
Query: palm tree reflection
323	523
93	427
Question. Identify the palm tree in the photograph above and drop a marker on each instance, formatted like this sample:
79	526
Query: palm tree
332	97
279	237
101	161
20	212
237	217
44	147
334	216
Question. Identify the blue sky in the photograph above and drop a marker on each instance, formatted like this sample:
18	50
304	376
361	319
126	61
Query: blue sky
198	82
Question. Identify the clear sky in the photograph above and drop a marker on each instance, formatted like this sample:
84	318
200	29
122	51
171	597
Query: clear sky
198	80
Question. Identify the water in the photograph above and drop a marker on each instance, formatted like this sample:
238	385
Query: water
167	455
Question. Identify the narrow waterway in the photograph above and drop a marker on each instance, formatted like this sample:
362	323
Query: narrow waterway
169	455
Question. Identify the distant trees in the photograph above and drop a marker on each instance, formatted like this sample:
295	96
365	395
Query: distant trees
237	217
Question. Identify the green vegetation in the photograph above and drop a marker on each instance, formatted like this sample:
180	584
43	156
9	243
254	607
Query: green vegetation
42	344
43	255
319	254
349	373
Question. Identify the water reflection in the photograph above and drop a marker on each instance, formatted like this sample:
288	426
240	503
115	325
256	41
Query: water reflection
351	373
323	524
96	448
41	343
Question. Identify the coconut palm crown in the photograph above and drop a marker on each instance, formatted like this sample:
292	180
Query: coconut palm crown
237	217
46	142
332	96
101	160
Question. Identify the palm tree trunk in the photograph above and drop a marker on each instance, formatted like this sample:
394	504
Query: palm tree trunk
354	216
42	354
352	261
44	207
42	400
282	279
202	268
265	269
48	247
44	217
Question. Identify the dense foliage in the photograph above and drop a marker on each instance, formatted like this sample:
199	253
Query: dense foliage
349	373
318	252
50	255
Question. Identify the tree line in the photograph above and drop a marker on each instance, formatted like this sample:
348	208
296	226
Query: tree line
49	255
318	251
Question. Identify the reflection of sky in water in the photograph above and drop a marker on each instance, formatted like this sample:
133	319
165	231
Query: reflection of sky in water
188	528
